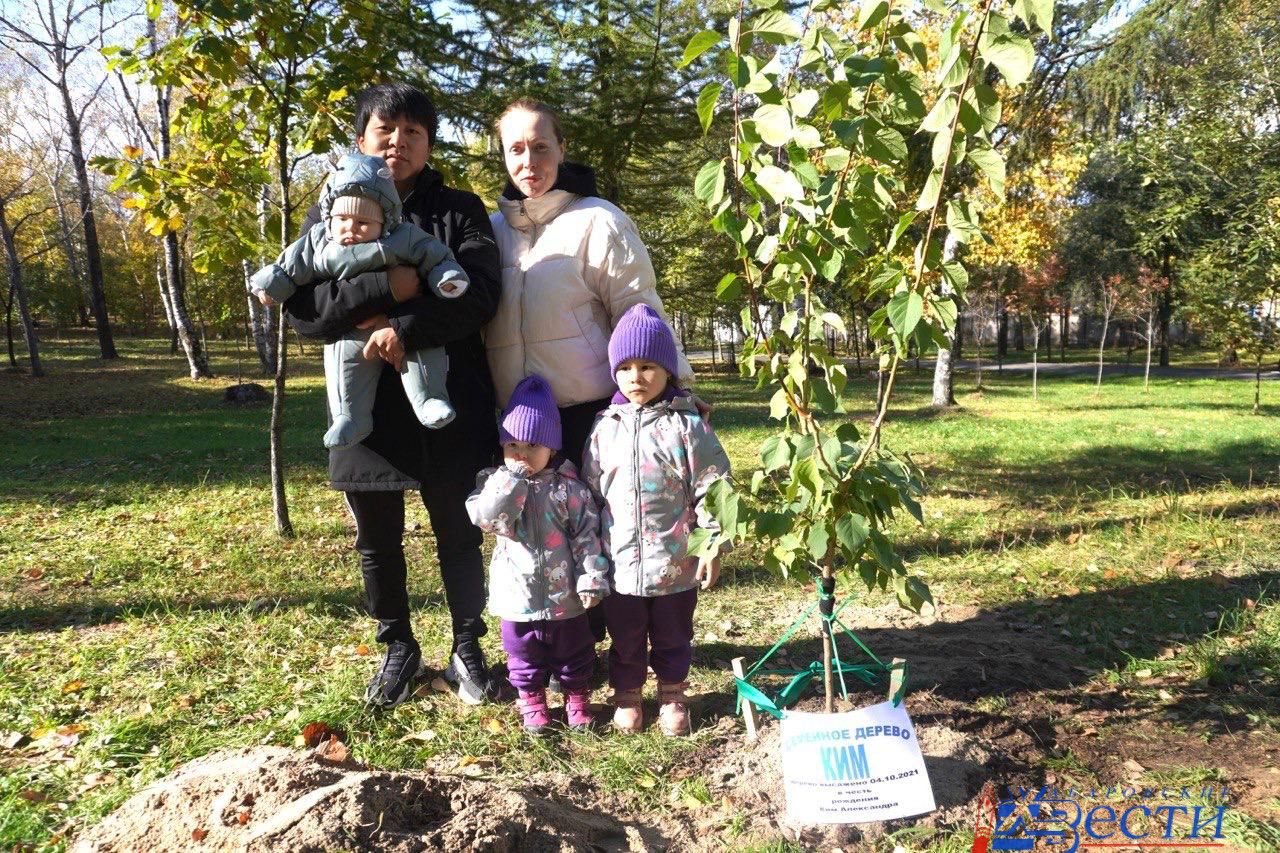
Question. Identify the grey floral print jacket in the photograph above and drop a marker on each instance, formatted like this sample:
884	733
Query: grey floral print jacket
650	467
548	547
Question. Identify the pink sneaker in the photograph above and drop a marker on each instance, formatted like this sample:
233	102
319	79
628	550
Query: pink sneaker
577	709
534	712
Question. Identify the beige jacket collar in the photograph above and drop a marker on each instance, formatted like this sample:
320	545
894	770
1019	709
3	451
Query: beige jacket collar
522	214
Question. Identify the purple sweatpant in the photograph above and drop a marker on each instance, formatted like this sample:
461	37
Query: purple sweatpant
646	632
537	649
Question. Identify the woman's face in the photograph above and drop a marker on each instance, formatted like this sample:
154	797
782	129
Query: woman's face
532	152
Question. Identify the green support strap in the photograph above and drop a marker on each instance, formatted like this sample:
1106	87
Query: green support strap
872	673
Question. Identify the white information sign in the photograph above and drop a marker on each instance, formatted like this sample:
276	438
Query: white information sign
855	767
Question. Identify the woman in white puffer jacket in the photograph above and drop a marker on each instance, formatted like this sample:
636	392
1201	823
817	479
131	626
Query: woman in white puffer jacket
572	264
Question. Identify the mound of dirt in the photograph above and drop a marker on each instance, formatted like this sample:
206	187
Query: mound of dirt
749	777
273	798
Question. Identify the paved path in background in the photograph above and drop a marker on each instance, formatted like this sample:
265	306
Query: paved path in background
1072	368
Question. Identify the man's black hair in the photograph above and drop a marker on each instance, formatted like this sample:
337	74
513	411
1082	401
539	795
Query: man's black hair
396	100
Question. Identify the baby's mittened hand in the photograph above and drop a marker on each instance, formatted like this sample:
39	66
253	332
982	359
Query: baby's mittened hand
264	298
590	599
519	467
708	571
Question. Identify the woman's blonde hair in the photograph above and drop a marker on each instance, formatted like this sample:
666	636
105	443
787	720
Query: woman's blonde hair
531	105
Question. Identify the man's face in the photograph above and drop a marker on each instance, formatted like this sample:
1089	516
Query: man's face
402	142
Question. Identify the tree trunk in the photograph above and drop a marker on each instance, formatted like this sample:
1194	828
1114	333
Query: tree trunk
1035	366
1064	329
825	609
168	307
279	500
8	327
92	252
1002	333
1146	374
1102	345
1165	303
1019	335
1257	384
20	293
197	360
1082	332
69	248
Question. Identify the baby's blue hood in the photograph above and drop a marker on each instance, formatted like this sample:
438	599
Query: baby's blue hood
363	175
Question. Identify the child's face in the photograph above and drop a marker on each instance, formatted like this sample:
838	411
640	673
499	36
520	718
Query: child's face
641	381
536	456
348	229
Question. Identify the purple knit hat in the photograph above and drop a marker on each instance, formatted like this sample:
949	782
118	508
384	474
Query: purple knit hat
642	333
531	415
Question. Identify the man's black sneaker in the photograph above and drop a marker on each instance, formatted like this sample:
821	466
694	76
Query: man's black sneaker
468	672
394	682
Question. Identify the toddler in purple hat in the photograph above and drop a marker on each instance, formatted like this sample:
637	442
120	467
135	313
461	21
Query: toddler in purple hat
548	568
649	461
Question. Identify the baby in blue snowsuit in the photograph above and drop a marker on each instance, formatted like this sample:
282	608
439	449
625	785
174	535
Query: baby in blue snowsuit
362	229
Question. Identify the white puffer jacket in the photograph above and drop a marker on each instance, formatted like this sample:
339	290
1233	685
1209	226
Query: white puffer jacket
572	264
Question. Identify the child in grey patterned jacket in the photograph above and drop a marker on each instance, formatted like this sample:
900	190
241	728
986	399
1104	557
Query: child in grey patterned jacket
649	461
548	568
361	229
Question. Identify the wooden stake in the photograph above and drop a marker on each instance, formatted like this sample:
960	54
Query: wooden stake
748	710
897	673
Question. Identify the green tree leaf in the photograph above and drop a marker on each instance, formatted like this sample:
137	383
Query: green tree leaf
905	310
780	185
708	186
698	45
1011	53
707	100
991	164
851	532
773	123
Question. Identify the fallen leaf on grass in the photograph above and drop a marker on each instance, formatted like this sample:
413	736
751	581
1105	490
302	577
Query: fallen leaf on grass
1219	580
424	736
1142	673
1249	604
1165	696
1133	766
12	740
362	650
35	573
242	817
439	685
494	726
199	834
32	796
93	780
314	733
467	760
332	750
72	687
186	700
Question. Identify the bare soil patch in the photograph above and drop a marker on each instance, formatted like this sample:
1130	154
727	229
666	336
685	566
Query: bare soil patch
273	798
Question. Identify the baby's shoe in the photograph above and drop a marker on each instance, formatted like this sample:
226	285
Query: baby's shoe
577	709
628	715
534	712
673	708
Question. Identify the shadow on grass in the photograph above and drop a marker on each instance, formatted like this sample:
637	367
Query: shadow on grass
1034	535
1055	644
38	618
1136	470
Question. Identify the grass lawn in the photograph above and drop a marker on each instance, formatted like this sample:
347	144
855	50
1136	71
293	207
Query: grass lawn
149	615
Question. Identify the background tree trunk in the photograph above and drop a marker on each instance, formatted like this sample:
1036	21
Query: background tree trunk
89	224
18	292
